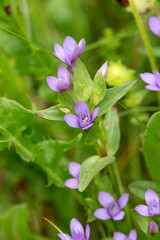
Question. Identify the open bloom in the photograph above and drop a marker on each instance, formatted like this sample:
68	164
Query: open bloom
154	25
70	51
153	227
74	169
112	209
83	119
152	201
152	79
77	231
61	83
121	236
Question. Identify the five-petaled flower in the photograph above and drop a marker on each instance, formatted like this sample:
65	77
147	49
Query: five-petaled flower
70	51
83	119
152	201
61	83
112	209
154	25
77	231
121	236
152	79
74	169
153	227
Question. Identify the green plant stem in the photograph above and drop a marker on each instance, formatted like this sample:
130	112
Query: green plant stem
118	178
143	34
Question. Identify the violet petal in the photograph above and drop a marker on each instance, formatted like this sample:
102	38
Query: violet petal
151	196
65	74
59	53
148	78
62	84
76	229
81	45
72	183
71	48
154	25
133	234
94	113
88	126
119	236
81	109
122	201
152	87
142	210
63	238
52	83
102	214
74	169
72	120
119	216
105	199
87	232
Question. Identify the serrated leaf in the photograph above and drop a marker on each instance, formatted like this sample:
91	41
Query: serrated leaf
99	90
52	113
82	83
113	95
90	167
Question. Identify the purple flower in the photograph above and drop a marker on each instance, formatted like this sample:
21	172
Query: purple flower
112	209
153	227
154	25
121	236
70	51
153	207
74	169
83	119
61	83
152	79
77	231
103	70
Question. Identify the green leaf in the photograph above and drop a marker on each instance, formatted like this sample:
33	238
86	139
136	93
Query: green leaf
90	167
4	144
99	90
139	188
111	123
151	146
143	222
52	113
14	223
82	83
113	95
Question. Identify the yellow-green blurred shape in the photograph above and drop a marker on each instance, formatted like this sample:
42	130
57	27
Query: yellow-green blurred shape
142	5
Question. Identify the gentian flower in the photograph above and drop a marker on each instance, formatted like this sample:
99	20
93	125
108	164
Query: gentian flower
152	79
121	236
74	169
154	25
83	119
70	51
77	231
153	207
112	209
153	227
103	70
61	83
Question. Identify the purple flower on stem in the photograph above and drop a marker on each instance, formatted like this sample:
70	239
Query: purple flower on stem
153	207
112	209
70	51
61	83
83	119
74	169
152	79
154	25
121	236
153	227
77	231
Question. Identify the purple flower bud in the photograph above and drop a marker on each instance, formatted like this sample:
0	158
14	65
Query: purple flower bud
152	79
103	70
61	83
74	169
154	25
83	119
112	209
70	51
152	201
153	227
121	236
77	231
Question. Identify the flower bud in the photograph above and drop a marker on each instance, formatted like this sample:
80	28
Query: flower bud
103	70
153	227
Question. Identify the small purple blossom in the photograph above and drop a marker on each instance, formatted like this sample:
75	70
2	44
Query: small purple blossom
154	25
61	83
70	51
74	169
152	201
121	236
77	231
152	79
153	227
83	119
112	209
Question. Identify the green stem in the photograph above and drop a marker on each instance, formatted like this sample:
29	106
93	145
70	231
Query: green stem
143	34
118	178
